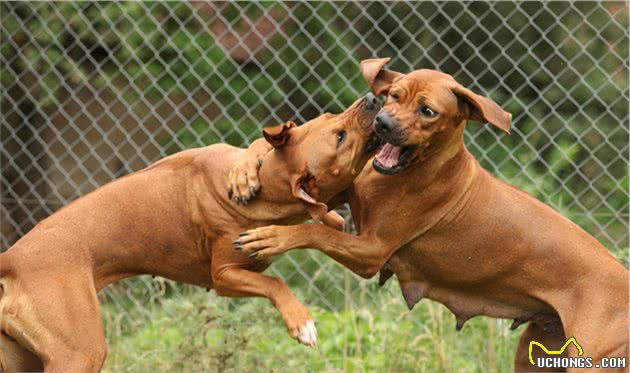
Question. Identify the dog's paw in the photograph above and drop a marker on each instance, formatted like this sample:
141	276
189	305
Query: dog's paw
265	242
299	323
307	334
243	183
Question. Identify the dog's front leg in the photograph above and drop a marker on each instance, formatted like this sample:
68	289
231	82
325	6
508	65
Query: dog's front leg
363	254
239	282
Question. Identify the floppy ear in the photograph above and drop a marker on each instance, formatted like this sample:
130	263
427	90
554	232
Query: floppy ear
482	109
300	189
278	135
378	79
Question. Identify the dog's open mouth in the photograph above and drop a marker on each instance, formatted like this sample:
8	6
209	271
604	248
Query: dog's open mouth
391	159
373	143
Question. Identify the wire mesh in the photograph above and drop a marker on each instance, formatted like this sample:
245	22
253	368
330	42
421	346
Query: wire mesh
95	90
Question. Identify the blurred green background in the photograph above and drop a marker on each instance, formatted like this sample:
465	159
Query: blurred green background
92	91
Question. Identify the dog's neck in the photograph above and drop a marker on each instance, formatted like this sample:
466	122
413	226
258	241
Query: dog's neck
275	177
436	157
442	178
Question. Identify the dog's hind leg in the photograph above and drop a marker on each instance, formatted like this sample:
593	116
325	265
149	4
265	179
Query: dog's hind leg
56	316
536	332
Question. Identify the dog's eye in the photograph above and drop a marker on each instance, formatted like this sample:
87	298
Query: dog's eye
394	96
427	111
341	135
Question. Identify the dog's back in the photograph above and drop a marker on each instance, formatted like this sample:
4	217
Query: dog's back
141	208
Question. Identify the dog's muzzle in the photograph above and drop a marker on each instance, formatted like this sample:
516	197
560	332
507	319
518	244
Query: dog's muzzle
371	106
388	128
384	124
393	156
370	102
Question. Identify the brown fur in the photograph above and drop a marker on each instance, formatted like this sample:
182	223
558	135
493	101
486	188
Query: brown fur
453	233
172	219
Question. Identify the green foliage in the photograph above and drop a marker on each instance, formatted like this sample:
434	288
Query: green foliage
559	70
199	133
201	332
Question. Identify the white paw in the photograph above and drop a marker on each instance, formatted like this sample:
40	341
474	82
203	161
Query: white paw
307	334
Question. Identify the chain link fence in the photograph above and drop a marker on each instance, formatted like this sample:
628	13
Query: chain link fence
95	90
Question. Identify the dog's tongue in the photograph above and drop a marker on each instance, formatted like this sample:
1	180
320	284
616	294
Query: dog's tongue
389	155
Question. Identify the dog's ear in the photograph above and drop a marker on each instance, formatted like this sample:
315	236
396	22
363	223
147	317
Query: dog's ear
278	135
482	109
303	188
379	79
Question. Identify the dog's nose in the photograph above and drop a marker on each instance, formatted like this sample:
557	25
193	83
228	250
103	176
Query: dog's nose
370	101
383	123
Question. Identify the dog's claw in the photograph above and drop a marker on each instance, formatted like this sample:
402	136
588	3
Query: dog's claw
252	192
236	242
238	247
253	255
230	193
243	234
244	200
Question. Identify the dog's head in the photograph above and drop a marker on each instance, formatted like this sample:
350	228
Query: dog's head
325	154
421	106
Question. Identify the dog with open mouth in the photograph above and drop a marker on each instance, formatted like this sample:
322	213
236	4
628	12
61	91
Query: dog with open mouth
423	106
460	236
173	219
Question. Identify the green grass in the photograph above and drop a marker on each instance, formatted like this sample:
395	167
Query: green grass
199	331
160	326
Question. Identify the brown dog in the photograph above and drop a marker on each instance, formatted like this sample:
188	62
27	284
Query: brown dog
427	212
172	219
